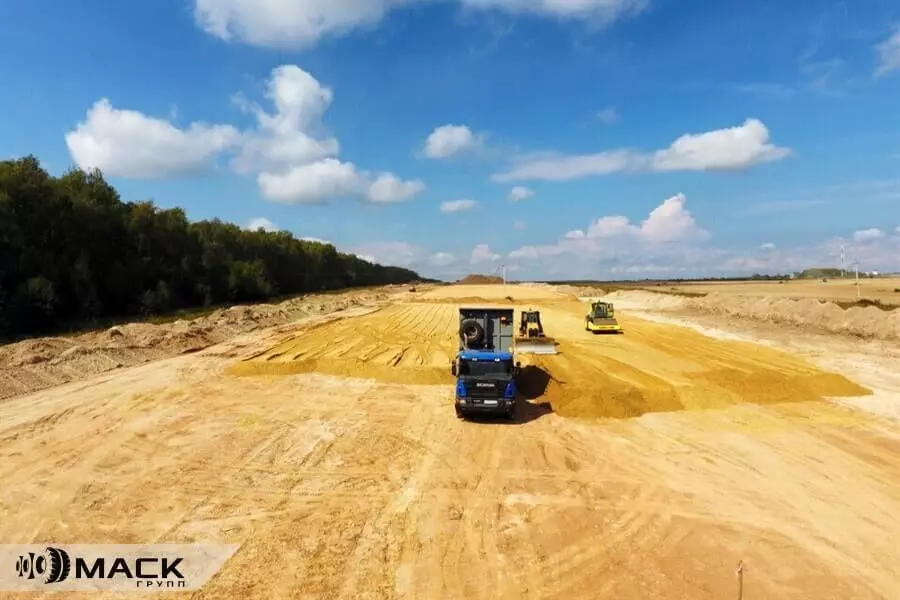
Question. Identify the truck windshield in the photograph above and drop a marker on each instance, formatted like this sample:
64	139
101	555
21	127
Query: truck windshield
485	368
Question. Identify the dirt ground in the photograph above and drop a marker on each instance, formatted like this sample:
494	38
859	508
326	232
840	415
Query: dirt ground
843	290
644	465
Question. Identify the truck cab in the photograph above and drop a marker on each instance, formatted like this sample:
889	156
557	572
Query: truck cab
485	367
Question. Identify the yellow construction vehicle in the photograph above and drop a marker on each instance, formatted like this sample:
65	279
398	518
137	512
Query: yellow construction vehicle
602	318
531	338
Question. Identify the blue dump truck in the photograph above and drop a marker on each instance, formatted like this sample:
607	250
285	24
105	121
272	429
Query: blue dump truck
485	366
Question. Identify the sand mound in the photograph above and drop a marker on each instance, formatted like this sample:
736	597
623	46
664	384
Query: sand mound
476	279
867	322
403	343
673	370
43	362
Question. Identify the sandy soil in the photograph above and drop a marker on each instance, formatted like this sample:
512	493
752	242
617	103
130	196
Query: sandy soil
41	363
644	465
800	313
884	289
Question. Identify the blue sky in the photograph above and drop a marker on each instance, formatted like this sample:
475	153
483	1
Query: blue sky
644	137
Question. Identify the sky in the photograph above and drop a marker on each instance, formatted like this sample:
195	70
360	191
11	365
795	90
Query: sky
555	139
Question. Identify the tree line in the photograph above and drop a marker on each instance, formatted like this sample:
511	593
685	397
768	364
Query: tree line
72	252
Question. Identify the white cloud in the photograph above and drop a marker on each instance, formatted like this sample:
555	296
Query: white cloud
315	239
552	166
295	164
261	222
733	148
127	143
456	206
441	259
389	188
867	235
284	139
311	183
520	225
603	11
669	234
302	23
671	222
286	23
668	222
767	246
287	151
608	115
448	140
519	193
482	253
888	55
399	254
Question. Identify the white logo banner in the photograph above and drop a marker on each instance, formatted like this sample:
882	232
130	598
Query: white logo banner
113	567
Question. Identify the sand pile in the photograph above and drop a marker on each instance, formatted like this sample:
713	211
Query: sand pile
580	291
702	374
868	322
43	362
404	343
641	300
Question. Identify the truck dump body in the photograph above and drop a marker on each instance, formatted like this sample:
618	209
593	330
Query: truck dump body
484	365
486	329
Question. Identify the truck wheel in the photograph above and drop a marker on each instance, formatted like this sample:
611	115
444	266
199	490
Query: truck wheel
460	414
471	330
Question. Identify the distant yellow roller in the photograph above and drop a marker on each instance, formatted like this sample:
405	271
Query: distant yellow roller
601	319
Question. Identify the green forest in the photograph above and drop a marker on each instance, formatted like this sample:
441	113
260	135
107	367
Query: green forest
72	252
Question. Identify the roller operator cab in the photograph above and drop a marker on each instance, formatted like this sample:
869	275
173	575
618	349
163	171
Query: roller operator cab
485	367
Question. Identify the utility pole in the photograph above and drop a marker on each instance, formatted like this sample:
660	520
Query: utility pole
842	260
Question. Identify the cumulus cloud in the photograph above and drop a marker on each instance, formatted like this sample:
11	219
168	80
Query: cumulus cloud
456	206
127	143
296	164
311	183
553	166
608	115
284	137
767	246
441	259
389	188
293	159
733	148
520	193
448	140
261	223
300	24
668	235
482	253
399	254
315	239
668	222
730	149
286	23
888	54
867	235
